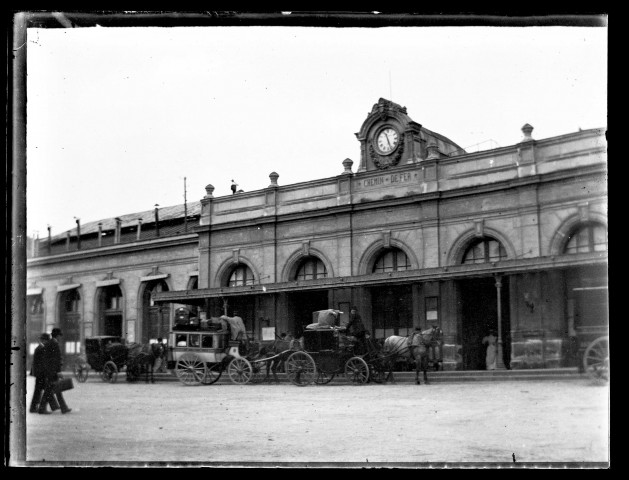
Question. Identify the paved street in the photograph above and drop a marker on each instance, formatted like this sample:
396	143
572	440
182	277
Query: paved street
338	424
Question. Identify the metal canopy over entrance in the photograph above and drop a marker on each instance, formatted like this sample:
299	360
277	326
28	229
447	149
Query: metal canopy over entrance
455	272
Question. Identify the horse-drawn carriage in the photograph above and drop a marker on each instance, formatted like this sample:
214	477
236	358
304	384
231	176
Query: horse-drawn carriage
334	352
202	356
109	355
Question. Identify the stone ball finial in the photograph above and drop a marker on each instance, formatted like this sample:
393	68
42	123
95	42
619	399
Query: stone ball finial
527	130
274	176
347	165
209	189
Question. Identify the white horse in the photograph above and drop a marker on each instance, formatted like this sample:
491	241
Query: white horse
414	347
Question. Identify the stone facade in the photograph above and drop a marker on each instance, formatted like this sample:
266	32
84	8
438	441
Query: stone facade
423	233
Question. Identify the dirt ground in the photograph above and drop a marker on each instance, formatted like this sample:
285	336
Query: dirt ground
345	425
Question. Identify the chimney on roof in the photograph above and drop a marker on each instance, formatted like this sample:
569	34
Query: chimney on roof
78	233
49	240
68	241
117	234
157	219
100	234
139	229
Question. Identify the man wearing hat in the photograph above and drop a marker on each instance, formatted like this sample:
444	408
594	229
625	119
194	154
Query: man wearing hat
38	371
356	329
52	367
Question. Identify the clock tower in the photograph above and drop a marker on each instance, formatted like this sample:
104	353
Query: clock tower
390	138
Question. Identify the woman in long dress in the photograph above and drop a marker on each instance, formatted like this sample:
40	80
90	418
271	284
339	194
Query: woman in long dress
490	358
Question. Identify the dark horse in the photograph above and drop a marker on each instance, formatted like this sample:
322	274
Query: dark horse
141	359
277	352
418	347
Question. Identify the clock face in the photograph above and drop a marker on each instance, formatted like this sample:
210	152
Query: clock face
387	140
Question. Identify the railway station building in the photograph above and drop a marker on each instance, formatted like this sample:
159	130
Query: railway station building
417	232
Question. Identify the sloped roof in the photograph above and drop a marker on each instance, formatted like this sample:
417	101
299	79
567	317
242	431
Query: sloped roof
131	219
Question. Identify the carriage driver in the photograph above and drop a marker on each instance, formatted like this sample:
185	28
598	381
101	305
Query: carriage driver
356	329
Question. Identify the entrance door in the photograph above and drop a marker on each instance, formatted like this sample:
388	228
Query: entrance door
479	315
392	311
301	307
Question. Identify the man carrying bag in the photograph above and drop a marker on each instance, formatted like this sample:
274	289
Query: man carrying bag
52	368
39	373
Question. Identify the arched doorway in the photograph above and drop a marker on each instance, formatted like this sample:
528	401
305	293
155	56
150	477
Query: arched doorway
69	308
587	300
391	305
34	323
110	310
155	317
479	305
244	306
303	304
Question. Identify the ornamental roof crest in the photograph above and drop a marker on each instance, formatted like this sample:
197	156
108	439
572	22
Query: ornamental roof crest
384	106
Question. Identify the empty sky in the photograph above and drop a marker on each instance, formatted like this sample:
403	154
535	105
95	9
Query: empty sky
117	117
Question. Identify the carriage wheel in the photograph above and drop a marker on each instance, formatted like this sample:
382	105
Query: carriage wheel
323	377
81	370
357	370
212	374
240	370
110	372
301	369
190	369
596	359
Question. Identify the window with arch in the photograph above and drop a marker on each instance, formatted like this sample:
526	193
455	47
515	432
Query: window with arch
392	260
71	302
35	304
591	237
240	276
311	268
484	250
112	298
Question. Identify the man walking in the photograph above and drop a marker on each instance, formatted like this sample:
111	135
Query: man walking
52	367
38	371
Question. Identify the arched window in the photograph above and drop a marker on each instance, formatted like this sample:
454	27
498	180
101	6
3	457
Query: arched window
311	268
155	317
240	276
69	309
110	309
392	260
35	304
71	302
591	237
484	250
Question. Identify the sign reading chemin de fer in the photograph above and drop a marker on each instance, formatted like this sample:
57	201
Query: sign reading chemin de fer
385	180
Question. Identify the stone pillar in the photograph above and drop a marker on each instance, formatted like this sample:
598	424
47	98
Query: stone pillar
499	361
526	153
